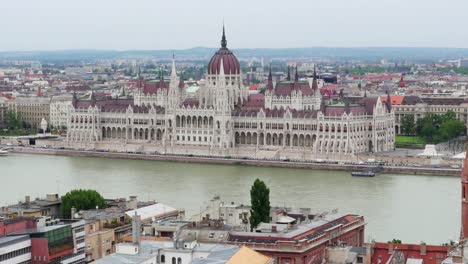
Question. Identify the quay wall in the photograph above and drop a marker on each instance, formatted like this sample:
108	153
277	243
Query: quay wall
246	162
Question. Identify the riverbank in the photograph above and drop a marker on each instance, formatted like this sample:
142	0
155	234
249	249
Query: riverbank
245	162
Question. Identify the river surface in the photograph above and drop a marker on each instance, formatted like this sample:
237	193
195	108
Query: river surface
407	207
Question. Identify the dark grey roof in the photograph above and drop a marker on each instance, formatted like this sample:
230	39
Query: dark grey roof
359	250
10	240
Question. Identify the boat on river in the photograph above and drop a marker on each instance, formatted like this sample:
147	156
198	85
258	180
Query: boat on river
363	174
3	152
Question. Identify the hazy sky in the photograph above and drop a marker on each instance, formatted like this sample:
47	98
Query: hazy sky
175	24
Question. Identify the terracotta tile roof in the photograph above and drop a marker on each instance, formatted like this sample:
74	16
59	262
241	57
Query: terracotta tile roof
153	87
395	99
247	255
255	100
285	88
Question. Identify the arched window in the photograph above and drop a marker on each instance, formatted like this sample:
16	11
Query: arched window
163	259
173	260
179	261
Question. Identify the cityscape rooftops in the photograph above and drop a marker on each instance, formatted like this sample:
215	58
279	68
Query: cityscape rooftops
153	211
306	229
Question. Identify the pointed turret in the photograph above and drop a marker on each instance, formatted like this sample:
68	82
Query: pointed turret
288	77
93	98
296	75
296	80
75	98
269	85
161	77
388	103
223	39
314	80
173	70
173	93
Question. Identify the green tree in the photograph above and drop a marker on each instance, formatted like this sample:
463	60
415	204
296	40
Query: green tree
407	125
450	129
14	120
81	200
260	202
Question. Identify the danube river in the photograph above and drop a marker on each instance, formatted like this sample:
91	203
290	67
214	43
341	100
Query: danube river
407	207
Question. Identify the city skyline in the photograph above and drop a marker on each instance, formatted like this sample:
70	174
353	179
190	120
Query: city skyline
120	25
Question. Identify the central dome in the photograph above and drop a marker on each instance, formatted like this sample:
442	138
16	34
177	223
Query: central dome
230	63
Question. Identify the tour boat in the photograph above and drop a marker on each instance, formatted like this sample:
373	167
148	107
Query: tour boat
363	174
3	152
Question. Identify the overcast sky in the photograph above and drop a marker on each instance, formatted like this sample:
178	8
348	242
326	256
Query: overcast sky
176	24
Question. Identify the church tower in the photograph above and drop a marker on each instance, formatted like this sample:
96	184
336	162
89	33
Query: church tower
173	97
464	206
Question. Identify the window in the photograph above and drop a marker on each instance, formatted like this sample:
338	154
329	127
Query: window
163	259
173	260
179	261
359	259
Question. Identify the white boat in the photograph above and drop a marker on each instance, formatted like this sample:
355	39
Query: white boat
3	152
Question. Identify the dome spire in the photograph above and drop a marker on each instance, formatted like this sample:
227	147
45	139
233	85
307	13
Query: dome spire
223	39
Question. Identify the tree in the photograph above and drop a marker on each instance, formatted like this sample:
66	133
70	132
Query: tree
81	200
407	125
260	202
14	120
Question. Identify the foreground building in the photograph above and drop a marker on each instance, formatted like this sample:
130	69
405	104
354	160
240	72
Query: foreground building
291	120
42	240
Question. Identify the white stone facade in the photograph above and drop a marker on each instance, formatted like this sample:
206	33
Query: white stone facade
218	123
59	109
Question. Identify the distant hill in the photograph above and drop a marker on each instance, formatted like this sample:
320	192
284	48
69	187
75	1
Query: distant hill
365	54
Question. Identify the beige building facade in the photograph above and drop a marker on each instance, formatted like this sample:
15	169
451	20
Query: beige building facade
32	110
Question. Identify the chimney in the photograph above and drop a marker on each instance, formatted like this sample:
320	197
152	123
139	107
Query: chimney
422	249
73	212
27	199
390	248
136	230
274	229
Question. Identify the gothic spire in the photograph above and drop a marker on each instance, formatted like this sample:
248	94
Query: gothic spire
223	39
314	80
75	98
161	75
93	98
270	78
296	76
269	85
296	80
389	102
289	74
173	70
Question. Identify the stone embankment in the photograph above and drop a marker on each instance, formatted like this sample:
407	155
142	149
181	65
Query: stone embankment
248	162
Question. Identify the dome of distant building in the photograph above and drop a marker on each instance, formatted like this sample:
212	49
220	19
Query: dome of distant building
230	63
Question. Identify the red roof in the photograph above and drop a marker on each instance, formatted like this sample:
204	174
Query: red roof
395	99
230	63
428	253
253	87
